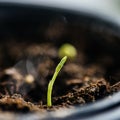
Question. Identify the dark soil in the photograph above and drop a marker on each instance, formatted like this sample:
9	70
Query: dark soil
26	70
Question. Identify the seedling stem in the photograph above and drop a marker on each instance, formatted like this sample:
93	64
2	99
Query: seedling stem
51	83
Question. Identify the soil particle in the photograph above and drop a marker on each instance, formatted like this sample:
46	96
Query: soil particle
16	103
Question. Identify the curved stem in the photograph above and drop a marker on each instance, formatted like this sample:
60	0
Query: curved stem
51	83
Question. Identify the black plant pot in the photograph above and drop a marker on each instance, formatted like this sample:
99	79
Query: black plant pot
15	17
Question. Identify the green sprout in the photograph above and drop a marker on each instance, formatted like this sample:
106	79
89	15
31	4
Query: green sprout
51	83
67	50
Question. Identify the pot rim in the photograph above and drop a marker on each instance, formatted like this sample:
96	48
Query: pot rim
107	10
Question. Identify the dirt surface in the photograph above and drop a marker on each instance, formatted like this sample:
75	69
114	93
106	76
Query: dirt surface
26	70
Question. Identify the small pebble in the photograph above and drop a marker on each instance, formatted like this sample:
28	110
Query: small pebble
29	79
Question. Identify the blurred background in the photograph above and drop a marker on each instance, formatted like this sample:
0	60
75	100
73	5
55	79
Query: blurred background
105	8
